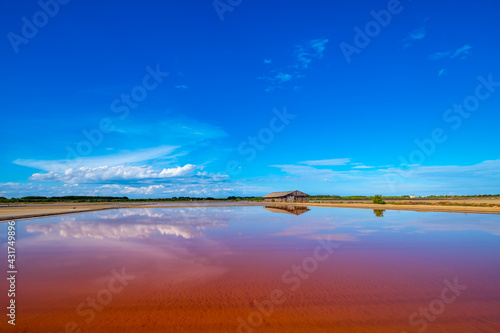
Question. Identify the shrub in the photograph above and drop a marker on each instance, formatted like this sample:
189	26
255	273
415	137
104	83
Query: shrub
378	199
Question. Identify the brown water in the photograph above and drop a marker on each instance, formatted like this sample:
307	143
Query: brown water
250	269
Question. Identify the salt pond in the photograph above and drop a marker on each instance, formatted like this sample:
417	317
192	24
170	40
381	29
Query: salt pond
256	269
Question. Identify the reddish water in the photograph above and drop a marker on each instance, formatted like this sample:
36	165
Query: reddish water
247	269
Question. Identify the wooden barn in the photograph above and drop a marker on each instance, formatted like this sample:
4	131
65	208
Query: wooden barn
289	196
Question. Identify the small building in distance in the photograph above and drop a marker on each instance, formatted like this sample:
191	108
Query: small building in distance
289	196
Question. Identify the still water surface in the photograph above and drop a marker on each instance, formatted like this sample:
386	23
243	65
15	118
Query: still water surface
256	269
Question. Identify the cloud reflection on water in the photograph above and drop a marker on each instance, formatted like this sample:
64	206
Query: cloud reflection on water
131	223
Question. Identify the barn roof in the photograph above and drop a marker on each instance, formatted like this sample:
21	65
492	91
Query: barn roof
284	194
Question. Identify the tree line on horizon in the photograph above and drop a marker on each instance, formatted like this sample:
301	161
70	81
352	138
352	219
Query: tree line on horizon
366	197
80	198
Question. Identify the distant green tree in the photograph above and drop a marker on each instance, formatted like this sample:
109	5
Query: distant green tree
378	200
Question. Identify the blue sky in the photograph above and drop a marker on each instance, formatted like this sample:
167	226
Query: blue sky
203	98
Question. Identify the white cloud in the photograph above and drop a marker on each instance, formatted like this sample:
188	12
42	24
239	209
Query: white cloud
196	186
181	86
127	190
442	71
105	174
267	61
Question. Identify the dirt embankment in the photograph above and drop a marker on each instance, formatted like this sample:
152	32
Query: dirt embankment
24	211
455	205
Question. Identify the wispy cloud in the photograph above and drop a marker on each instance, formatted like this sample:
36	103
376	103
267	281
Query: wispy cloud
440	55
125	160
422	180
362	167
305	53
417	34
442	71
140	155
485	168
461	53
181	86
277	80
185	130
309	173
329	162
283	77
414	35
